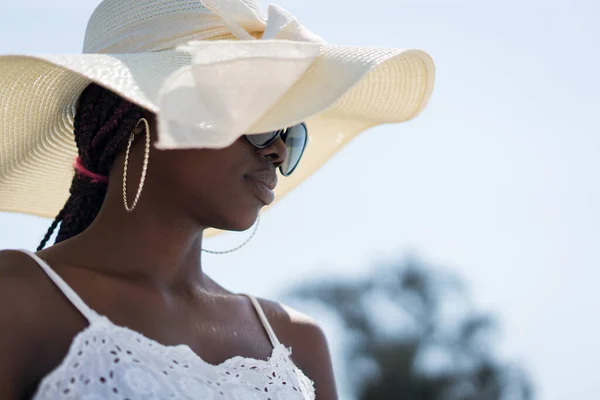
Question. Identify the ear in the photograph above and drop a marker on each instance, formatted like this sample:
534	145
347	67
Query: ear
141	126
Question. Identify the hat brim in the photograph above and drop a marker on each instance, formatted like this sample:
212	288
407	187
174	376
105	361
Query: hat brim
350	89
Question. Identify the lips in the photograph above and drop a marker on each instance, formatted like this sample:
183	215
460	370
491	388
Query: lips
262	185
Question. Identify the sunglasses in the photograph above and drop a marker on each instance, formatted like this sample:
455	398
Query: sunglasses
294	138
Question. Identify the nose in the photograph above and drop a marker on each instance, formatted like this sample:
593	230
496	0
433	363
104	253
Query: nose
276	152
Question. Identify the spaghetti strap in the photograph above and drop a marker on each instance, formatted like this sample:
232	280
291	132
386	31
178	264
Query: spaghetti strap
69	293
263	319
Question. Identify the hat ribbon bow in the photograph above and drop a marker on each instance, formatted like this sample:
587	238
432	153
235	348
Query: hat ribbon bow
236	87
246	23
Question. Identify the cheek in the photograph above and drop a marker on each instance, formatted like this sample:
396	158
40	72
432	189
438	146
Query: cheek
224	201
210	185
197	176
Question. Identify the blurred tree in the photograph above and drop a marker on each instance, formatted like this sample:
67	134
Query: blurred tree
415	336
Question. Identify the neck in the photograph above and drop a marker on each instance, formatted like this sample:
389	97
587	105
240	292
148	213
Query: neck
153	243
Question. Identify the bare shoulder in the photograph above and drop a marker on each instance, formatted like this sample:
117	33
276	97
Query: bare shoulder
282	313
310	350
20	280
31	321
19	319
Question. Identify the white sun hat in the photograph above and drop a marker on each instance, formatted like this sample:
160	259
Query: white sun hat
211	70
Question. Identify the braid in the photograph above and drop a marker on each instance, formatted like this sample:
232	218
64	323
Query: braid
103	121
55	223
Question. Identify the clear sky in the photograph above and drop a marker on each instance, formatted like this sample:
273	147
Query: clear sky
496	180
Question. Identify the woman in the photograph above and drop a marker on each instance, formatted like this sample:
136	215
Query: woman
181	113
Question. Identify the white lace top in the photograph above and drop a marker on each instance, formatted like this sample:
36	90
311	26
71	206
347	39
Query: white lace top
107	361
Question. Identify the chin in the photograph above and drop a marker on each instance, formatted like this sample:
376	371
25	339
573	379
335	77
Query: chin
238	221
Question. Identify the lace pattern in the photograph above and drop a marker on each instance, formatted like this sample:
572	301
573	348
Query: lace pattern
106	361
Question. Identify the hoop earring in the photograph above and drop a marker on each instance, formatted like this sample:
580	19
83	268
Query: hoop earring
144	168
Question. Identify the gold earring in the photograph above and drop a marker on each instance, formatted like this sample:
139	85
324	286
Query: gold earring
144	168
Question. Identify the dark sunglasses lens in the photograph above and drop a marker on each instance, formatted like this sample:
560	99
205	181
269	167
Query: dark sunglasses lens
262	140
295	140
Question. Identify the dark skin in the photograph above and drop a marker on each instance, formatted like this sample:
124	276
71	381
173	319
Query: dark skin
142	270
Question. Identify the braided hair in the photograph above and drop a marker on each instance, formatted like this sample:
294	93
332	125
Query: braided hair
103	122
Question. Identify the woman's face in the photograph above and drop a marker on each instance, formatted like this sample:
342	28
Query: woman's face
219	188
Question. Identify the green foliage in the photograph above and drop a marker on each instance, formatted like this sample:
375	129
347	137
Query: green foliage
414	335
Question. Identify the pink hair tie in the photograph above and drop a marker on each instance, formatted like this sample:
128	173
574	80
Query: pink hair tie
96	178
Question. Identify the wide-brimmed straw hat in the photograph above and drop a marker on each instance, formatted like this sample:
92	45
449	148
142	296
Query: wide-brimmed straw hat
212	70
